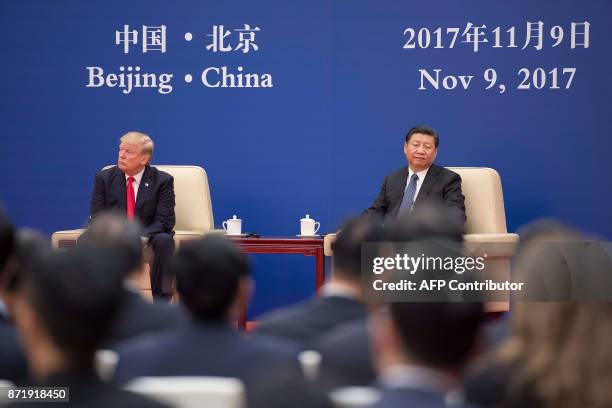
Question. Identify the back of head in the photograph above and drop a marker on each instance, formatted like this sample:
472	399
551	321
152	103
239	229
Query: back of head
430	221
548	345
559	263
75	296
30	247
347	246
546	229
429	233
113	233
208	275
439	335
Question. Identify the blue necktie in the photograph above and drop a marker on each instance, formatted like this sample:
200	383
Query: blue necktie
409	193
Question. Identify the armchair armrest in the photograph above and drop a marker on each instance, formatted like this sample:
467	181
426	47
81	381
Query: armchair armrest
65	239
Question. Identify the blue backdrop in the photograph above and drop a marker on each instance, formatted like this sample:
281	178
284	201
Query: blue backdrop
344	93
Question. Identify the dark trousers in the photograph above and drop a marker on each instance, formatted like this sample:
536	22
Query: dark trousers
162	281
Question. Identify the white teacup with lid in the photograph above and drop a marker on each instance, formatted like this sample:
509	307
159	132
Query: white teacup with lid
308	226
233	226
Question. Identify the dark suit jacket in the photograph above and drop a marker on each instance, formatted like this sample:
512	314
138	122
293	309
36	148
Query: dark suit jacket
87	390
305	322
154	202
137	317
207	349
13	366
441	186
346	359
411	397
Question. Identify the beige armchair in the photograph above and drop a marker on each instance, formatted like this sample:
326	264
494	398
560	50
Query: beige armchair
485	229
194	216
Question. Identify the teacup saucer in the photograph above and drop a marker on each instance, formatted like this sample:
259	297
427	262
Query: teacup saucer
308	236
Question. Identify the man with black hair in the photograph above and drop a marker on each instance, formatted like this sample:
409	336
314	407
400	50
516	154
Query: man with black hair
115	234
420	350
213	280
64	307
340	300
345	350
30	247
420	182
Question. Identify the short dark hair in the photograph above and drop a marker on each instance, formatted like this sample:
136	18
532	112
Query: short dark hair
208	274
7	240
432	230
30	247
76	295
425	130
439	335
347	246
114	233
430	220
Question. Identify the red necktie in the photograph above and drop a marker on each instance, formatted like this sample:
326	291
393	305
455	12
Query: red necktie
131	201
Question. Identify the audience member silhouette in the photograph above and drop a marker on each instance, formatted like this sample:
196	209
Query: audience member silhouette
213	281
420	350
340	298
63	309
554	354
345	350
121	238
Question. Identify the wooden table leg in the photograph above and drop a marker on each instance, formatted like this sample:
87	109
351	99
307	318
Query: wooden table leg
320	265
282	246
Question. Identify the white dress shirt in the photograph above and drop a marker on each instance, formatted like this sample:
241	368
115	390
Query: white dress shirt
419	377
136	183
340	290
424	379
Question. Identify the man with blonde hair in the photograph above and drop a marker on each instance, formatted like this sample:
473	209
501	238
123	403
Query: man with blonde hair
146	195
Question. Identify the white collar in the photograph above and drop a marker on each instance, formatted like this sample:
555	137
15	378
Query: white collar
339	289
421	173
417	377
137	177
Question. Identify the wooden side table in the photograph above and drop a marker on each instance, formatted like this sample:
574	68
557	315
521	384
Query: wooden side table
283	245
